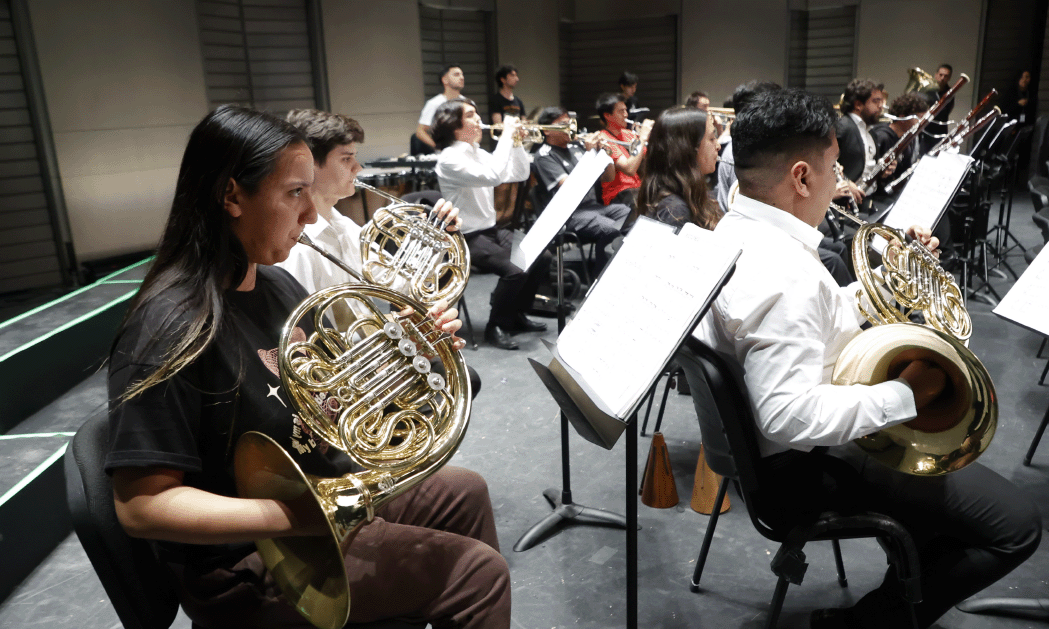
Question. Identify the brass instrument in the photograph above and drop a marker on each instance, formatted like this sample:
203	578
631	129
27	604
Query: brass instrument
404	246
919	81
534	132
370	392
723	115
957	427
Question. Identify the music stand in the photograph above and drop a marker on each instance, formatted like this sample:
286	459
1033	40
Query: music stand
565	510
1010	158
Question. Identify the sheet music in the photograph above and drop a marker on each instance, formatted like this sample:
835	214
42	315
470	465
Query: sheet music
638	312
930	190
1027	302
569	194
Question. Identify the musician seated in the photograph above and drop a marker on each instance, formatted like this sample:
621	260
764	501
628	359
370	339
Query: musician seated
861	108
613	112
682	151
906	109
555	160
786	322
333	142
467	174
832	253
193	368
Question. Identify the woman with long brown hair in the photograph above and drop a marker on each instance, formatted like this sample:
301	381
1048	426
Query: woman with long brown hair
682	151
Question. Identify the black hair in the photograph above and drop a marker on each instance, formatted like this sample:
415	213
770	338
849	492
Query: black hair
445	70
627	78
693	98
447	120
503	72
778	124
746	92
909	104
606	104
670	166
858	90
948	66
550	114
199	256
325	130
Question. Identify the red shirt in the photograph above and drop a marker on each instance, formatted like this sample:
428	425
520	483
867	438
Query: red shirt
622	181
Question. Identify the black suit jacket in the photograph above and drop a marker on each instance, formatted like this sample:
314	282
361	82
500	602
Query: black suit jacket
853	154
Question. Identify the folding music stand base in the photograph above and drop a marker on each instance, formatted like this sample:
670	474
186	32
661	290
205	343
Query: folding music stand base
564	510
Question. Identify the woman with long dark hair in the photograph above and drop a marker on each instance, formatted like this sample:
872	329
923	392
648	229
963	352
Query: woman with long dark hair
682	151
193	368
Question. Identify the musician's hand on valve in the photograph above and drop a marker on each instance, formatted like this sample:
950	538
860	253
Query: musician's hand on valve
447	213
925	237
646	128
445	319
512	126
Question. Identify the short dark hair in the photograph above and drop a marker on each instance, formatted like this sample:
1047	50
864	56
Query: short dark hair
746	92
503	72
606	104
859	90
693	98
447	120
948	66
780	123
325	130
550	114
445	70
627	78
909	104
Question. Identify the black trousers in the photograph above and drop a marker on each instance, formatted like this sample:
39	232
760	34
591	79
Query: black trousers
972	527
490	252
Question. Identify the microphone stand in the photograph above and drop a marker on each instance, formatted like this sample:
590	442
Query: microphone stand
564	509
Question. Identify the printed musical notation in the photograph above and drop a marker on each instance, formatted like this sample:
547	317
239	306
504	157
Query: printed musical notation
930	190
644	304
1027	302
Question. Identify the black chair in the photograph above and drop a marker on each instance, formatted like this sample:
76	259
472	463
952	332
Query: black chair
140	587
730	445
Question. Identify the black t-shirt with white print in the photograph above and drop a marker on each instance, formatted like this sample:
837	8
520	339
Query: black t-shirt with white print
192	421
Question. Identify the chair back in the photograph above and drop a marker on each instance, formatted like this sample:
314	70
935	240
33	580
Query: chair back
726	419
140	587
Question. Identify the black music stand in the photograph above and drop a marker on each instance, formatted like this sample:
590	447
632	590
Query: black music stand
564	509
1009	159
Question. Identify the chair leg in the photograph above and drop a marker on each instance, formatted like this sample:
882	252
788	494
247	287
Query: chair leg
701	561
1041	380
663	404
777	602
1037	438
842	580
1041	347
461	305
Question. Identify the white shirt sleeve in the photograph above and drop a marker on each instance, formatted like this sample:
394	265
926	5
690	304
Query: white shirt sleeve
461	169
429	109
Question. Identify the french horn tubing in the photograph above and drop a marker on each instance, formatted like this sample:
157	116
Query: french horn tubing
957	427
369	391
406	247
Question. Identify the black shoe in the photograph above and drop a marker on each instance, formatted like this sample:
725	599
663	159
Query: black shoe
495	335
522	323
830	618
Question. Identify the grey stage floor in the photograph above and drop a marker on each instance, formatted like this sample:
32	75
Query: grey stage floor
576	579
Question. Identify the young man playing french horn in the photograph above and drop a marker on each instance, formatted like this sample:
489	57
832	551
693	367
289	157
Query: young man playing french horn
786	321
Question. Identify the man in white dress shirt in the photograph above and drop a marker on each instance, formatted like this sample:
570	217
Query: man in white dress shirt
785	320
467	175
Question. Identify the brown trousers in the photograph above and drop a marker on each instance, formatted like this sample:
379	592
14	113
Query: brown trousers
430	555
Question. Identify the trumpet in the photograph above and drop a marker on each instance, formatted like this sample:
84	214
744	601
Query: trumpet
533	132
722	115
406	244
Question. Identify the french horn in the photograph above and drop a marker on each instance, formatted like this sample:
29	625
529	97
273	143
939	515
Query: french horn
957	427
406	248
370	392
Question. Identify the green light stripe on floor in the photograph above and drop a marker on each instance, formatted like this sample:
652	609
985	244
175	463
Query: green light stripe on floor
37	434
32	475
